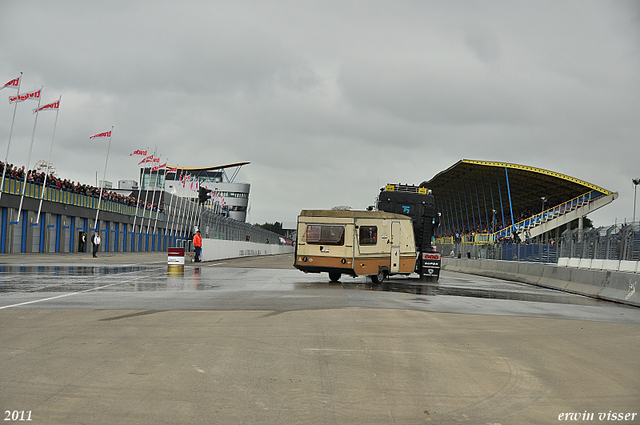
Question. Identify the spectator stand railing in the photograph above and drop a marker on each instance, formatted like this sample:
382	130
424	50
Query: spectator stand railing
54	194
549	214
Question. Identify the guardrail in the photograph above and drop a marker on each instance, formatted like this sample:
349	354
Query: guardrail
54	194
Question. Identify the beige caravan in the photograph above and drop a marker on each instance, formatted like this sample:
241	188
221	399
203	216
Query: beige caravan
355	243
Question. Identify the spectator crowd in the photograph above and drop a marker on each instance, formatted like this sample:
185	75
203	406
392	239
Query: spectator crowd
38	178
494	226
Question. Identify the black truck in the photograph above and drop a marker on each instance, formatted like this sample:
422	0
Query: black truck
419	204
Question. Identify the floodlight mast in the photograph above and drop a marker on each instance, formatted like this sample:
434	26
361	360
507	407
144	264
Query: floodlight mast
635	182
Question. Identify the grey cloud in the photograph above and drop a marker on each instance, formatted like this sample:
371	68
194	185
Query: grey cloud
328	100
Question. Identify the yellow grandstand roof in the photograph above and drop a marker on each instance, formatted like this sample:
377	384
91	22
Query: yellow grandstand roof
527	185
217	167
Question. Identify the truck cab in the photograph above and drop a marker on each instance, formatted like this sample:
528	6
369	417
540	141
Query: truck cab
419	204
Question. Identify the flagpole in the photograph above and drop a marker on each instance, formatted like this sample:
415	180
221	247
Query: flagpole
171	214
44	185
161	194
187	217
179	202
186	212
181	217
192	215
176	217
153	197
137	206
27	171
157	208
144	207
104	176
6	157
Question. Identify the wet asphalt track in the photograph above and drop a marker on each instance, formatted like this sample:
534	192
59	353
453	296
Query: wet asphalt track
119	340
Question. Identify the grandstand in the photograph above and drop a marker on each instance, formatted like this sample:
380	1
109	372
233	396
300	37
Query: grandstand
493	201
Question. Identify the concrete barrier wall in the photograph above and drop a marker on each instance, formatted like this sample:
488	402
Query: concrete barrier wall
604	284
217	249
596	264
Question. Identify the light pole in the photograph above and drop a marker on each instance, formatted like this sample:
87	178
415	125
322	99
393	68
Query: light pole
636	182
493	224
543	199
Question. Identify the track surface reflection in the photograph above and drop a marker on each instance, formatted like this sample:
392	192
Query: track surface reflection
151	287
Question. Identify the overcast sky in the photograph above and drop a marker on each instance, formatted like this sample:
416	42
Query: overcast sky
329	100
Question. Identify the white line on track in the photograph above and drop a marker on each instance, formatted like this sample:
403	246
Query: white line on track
71	293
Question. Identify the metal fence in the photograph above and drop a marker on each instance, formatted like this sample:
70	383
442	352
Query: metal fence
216	226
545	253
617	242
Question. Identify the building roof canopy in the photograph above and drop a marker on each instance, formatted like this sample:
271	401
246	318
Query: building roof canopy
527	185
214	168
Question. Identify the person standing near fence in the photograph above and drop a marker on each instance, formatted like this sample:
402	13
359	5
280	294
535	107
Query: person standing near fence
197	246
95	240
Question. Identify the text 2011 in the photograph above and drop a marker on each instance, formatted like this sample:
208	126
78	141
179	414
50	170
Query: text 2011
17	415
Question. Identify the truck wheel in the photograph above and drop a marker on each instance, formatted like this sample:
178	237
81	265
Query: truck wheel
378	278
334	276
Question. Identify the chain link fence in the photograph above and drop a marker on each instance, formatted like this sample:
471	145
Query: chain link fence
617	242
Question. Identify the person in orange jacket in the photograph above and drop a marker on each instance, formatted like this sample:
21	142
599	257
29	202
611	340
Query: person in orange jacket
197	244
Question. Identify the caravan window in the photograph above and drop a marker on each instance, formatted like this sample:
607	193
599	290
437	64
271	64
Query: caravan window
368	235
325	234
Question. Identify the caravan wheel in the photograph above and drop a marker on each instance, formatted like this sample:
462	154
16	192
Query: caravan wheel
334	276
378	278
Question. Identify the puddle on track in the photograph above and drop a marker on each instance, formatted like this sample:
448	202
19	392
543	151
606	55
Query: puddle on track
20	278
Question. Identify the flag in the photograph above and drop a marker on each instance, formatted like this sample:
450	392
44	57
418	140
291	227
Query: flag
159	167
12	84
35	95
184	177
172	170
138	152
147	159
50	107
105	134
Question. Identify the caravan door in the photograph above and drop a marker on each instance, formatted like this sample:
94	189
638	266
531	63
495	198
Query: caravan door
371	237
395	247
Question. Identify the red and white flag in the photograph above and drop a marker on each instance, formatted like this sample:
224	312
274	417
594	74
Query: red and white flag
147	159
172	170
159	167
150	158
138	152
185	178
105	134
50	107
35	95
12	84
